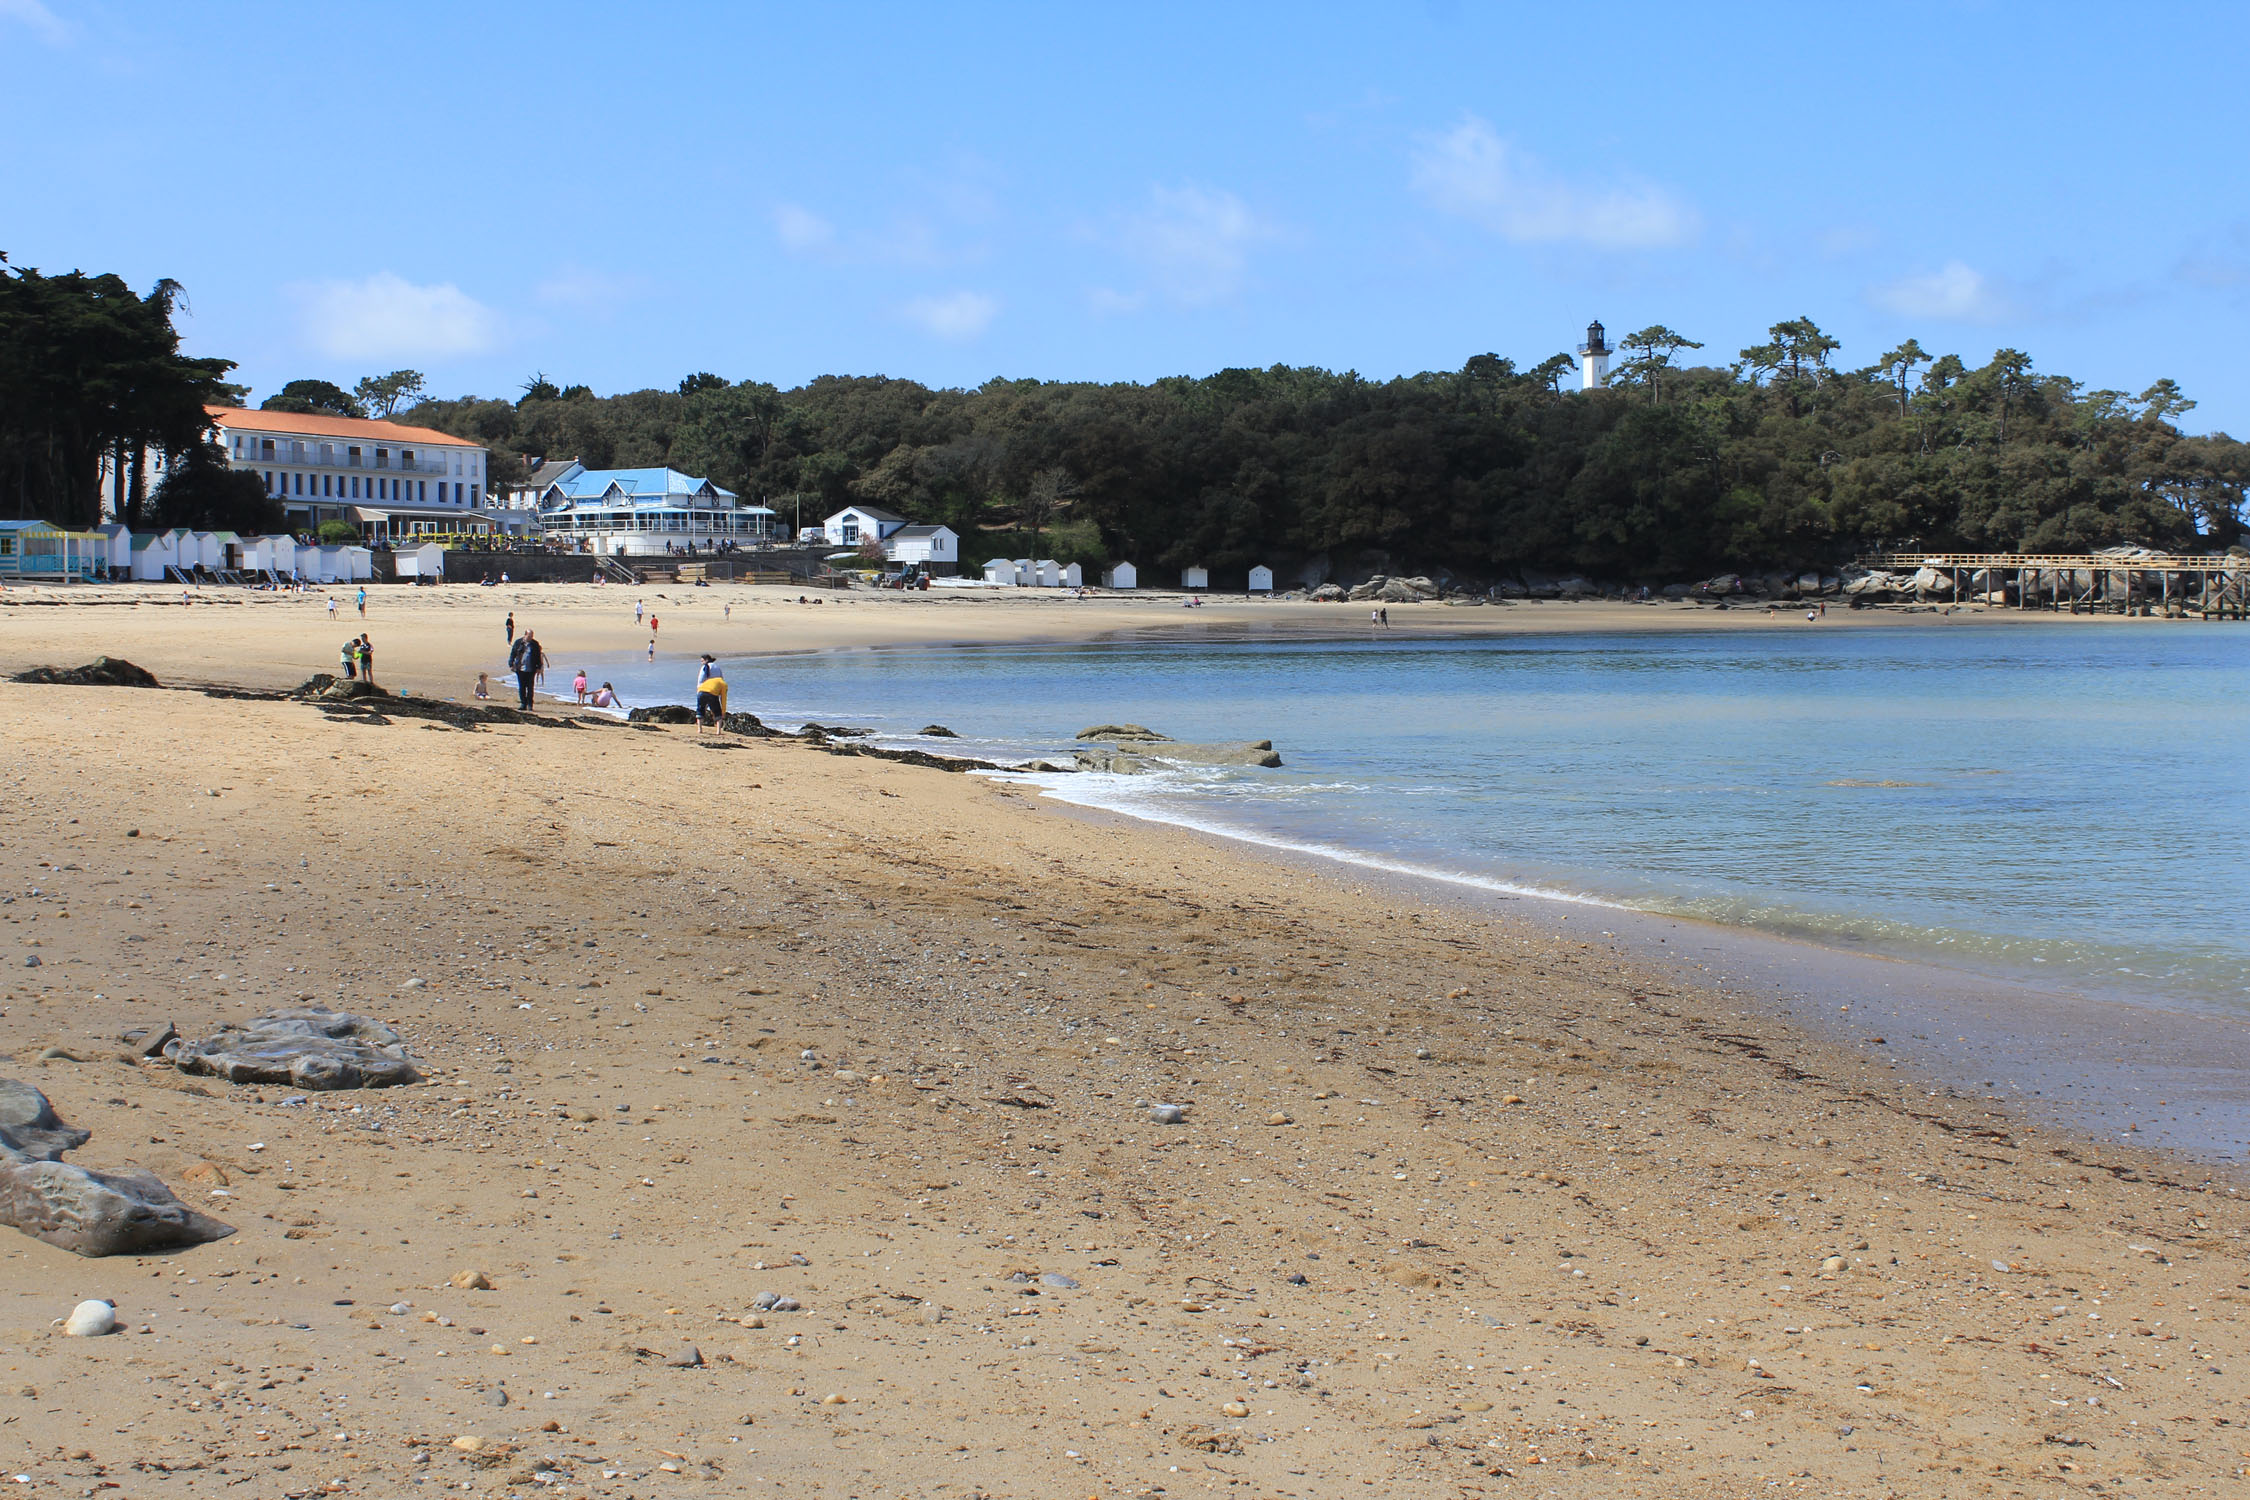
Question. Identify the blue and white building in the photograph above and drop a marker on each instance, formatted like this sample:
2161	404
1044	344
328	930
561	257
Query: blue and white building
646	513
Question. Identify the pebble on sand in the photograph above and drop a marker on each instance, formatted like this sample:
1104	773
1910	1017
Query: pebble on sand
472	1281
1833	1265
1167	1114
90	1320
1235	1409
1278	1118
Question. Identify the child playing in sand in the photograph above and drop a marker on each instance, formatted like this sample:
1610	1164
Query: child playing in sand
578	685
484	688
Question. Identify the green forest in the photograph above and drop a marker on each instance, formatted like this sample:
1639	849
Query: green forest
1785	456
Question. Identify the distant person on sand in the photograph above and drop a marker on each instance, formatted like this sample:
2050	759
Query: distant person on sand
511	627
331	606
350	661
654	624
484	687
366	658
527	660
636	611
363	604
578	685
652	648
710	701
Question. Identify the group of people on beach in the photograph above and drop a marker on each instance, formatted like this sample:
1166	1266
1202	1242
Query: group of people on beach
358	658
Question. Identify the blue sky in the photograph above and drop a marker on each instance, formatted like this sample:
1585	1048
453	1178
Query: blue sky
619	195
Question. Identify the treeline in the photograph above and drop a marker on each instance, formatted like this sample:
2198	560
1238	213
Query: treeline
1783	458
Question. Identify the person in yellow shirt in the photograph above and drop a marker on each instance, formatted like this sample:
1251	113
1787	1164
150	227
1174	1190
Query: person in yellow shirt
710	701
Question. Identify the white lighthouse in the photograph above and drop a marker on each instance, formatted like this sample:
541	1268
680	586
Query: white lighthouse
1593	359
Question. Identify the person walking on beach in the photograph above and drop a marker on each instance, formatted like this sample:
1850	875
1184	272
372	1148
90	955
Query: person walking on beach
1385	612
636	611
652	648
578	685
511	627
331	606
527	661
363	604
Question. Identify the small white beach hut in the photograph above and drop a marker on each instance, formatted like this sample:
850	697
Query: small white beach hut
199	549
358	563
151	554
1195	578
118	552
1261	580
257	554
1000	570
1073	577
1047	573
424	561
1122	576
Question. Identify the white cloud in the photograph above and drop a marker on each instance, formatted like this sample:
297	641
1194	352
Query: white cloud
36	16
1195	241
957	316
1474	173
801	231
1954	292
389	317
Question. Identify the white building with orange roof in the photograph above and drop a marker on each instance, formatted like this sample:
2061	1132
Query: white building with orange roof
387	478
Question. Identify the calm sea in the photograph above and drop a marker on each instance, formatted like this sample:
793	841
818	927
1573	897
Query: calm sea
2031	800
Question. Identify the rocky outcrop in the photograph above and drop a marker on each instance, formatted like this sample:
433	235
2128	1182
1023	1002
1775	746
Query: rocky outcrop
1119	732
1156	755
81	1209
306	1049
661	713
102	671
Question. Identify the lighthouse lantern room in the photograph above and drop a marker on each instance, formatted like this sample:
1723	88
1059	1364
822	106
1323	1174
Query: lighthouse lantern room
1593	359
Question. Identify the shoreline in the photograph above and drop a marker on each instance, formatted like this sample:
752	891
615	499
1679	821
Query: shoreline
1456	1206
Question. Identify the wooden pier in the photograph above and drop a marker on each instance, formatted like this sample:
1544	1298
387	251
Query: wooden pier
2207	587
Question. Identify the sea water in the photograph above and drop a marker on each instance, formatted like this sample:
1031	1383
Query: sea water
2067	803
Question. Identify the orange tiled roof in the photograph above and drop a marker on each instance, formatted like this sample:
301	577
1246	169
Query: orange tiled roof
309	424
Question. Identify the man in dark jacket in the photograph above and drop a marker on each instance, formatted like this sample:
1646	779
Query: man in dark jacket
527	660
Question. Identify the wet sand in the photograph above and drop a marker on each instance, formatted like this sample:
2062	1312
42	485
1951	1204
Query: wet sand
708	1022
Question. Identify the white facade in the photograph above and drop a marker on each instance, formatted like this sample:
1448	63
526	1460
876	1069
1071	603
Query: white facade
151	555
1261	580
1195	578
855	524
385	477
1122	576
1073	576
929	545
1000	570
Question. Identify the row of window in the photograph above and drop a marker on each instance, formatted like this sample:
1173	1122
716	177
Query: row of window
349	455
356	487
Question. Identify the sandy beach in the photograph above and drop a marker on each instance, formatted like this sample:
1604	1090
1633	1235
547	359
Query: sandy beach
1460	1205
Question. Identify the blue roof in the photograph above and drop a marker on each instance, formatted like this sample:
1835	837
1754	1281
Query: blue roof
588	485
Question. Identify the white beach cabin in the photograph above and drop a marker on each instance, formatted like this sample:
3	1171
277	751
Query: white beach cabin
118	555
1073	577
358	564
1122	576
1000	570
1261	580
935	548
1195	578
424	561
152	554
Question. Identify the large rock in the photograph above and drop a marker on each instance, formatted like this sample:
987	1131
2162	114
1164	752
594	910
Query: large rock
1331	593
661	713
306	1049
1156	755
82	1209
102	671
29	1126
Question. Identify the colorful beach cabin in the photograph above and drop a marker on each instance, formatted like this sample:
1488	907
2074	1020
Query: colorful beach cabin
35	551
1122	576
1261	580
1195	578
